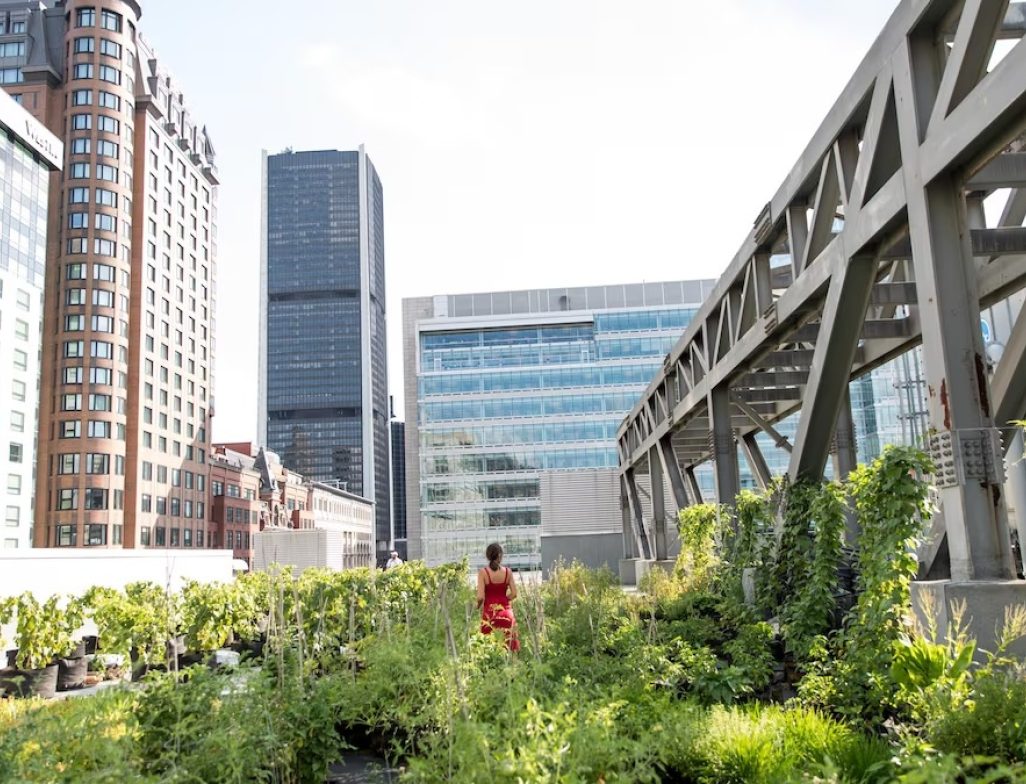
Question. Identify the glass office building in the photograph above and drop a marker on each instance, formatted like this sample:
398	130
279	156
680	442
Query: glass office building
505	386
323	384
28	153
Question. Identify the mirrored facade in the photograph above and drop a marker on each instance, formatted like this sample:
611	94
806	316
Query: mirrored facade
323	384
514	384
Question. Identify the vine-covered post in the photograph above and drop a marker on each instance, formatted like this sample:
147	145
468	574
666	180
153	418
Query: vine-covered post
728	481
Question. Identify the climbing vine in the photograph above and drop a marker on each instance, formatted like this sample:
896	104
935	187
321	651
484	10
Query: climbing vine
892	503
810	610
698	526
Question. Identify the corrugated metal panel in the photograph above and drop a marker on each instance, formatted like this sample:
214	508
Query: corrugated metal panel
298	549
578	502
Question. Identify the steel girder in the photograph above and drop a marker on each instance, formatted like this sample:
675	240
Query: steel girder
875	242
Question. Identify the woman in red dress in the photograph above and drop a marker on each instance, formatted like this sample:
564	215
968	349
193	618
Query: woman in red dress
495	589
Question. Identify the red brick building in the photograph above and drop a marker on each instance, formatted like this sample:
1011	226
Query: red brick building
235	507
251	490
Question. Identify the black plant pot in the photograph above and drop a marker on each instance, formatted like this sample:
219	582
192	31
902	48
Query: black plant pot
249	649
30	683
79	650
71	673
140	667
91	642
189	659
12	657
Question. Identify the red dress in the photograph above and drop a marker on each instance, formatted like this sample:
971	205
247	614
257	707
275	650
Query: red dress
496	612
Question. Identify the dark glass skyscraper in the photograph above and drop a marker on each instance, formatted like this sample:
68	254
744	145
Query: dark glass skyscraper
323	378
399	487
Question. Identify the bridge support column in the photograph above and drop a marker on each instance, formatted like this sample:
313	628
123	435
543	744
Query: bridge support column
638	513
846	458
672	470
655	473
756	460
970	485
728	482
630	539
826	393
694	489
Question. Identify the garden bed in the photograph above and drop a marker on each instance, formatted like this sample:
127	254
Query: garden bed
817	678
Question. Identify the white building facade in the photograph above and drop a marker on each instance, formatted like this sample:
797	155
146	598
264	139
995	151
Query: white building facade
348	515
28	153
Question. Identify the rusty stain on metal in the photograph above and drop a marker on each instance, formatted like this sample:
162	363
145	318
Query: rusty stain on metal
981	384
944	404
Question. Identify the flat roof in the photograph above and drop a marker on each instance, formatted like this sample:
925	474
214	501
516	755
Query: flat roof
30	132
343	493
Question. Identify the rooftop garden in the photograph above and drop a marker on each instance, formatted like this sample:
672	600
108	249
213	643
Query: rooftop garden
768	655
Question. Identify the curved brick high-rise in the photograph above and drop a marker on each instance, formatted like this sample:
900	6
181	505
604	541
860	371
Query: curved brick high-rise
126	383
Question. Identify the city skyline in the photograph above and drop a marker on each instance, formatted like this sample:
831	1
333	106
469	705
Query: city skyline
438	95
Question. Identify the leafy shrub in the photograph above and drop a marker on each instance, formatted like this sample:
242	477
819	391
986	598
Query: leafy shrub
991	724
81	740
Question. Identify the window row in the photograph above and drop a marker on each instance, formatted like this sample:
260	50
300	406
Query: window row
179	477
109	20
81	171
87	45
104	272
97	402
84	122
98	349
97	375
95	428
95	535
101	221
503	435
525	460
103	197
566	378
94	463
160	443
158	537
77	323
233	514
92	499
104	99
78	246
175	507
88	71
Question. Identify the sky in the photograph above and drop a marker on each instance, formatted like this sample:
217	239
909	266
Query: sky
520	145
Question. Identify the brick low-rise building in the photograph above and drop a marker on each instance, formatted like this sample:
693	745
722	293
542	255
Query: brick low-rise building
235	507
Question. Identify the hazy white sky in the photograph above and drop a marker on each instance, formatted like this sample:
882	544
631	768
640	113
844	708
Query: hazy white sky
520	145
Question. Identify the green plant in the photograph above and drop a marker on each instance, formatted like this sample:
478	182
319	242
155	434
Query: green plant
808	610
42	634
7	605
854	674
698	526
214	614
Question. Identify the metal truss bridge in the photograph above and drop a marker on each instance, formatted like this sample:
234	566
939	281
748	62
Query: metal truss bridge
877	241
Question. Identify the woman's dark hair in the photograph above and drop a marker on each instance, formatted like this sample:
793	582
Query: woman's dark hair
493	554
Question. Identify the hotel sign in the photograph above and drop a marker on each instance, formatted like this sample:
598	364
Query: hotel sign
32	133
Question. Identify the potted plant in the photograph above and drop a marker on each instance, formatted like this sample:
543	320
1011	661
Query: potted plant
6	613
71	662
39	639
129	623
207	616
